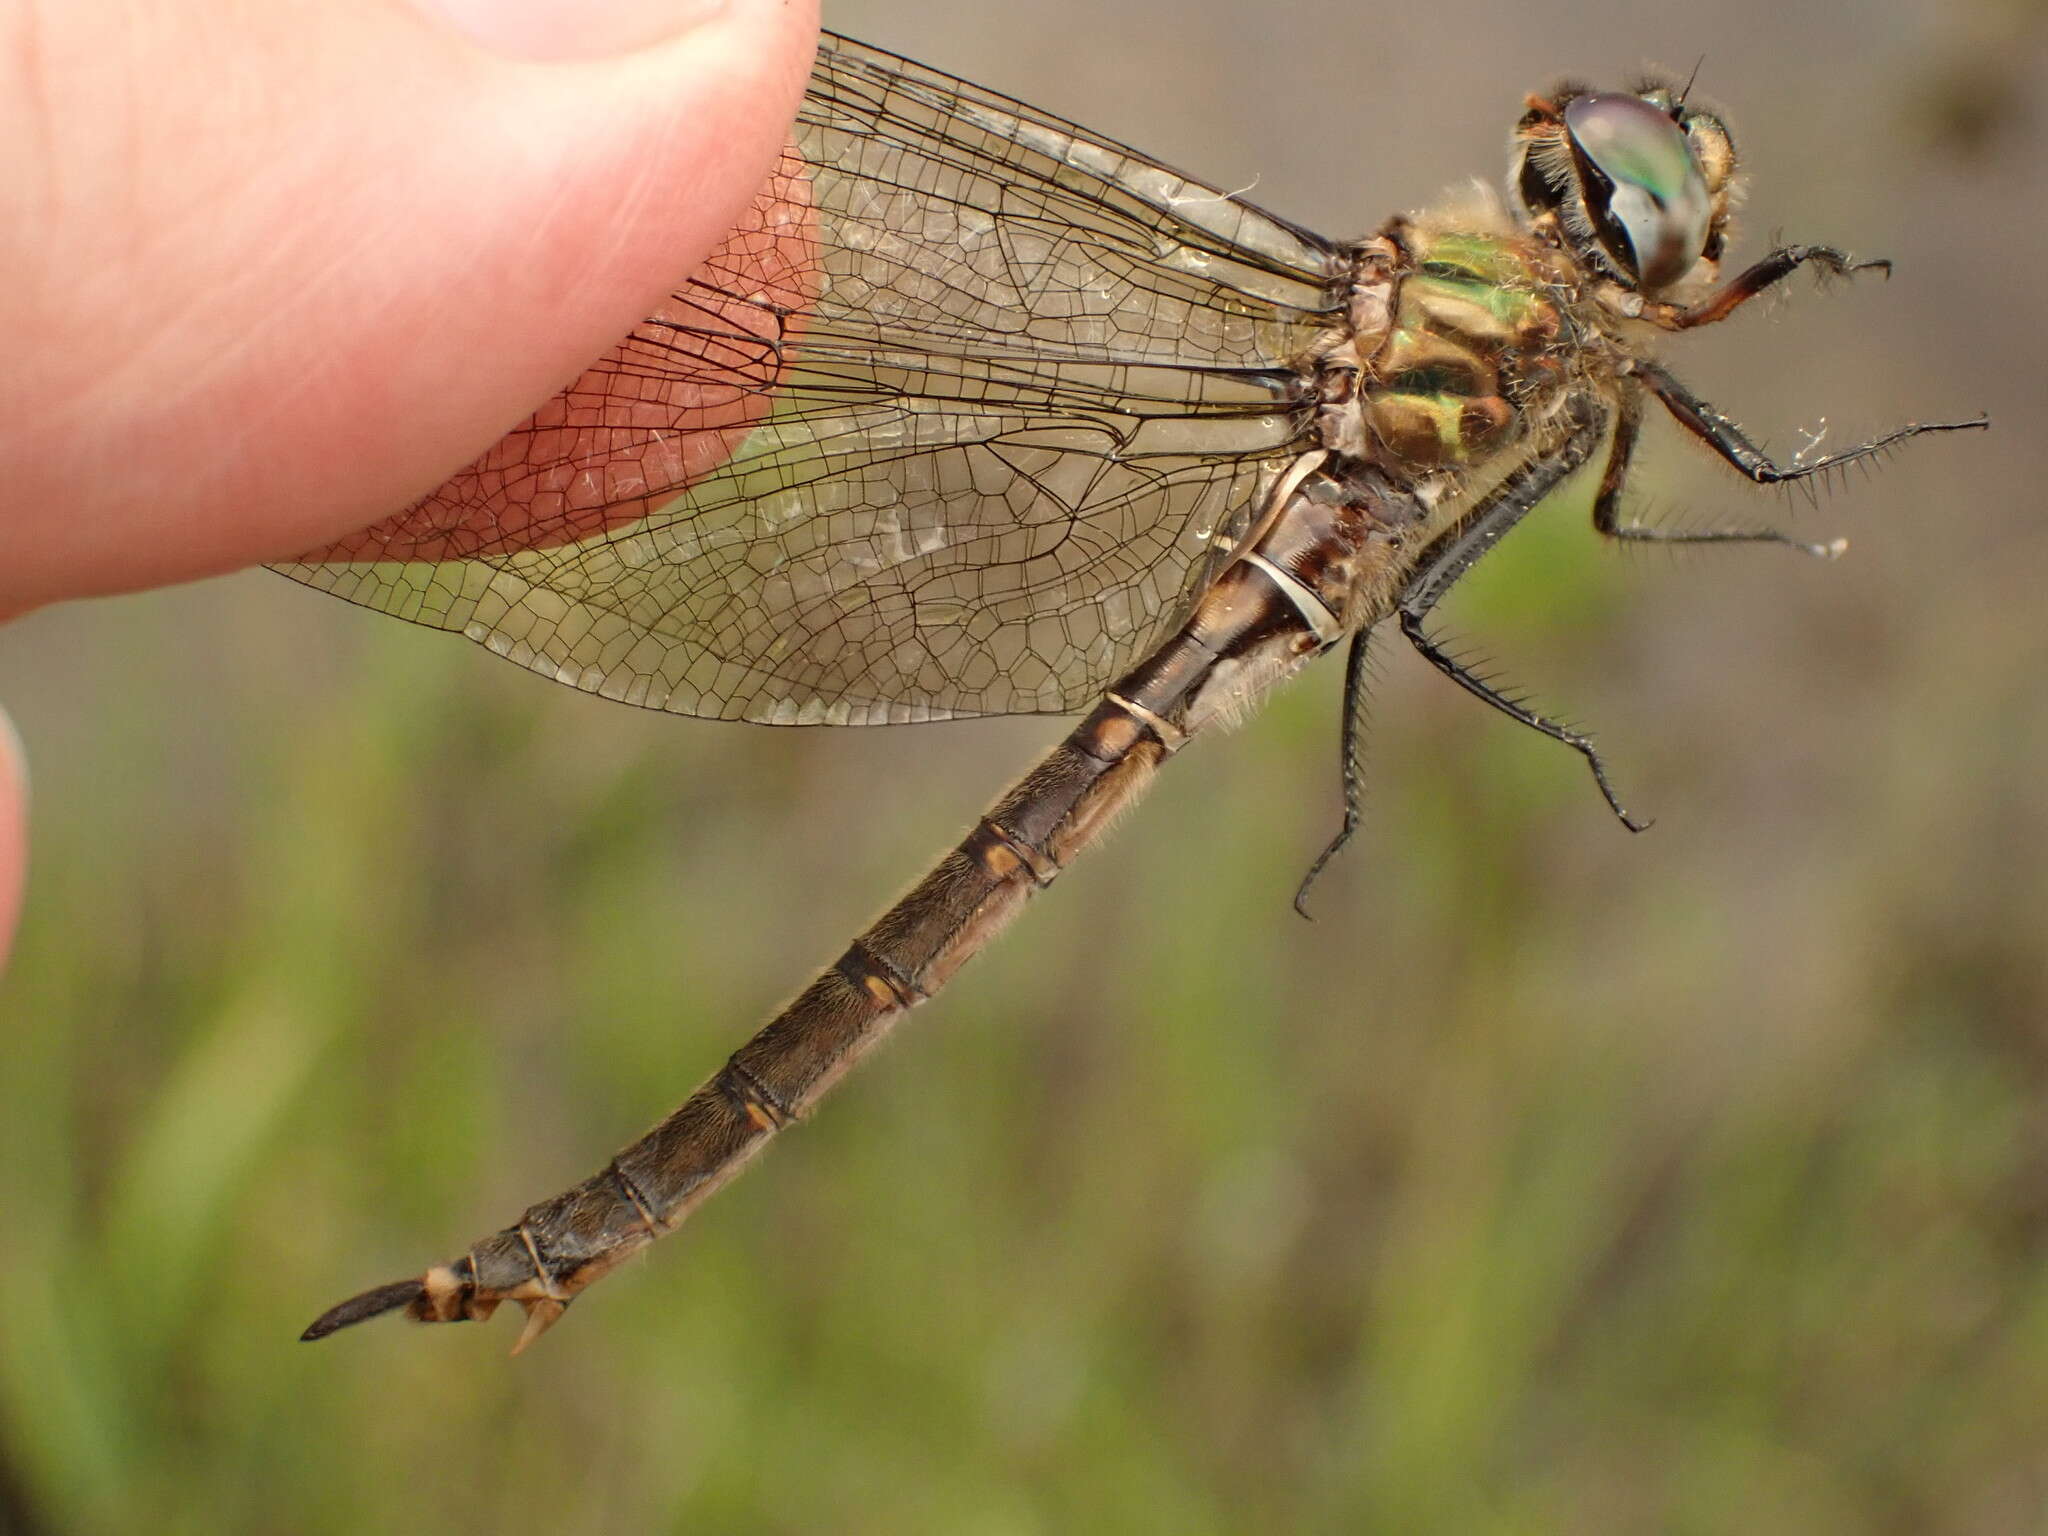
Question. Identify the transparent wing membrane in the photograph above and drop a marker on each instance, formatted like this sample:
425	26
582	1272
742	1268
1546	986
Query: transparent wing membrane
957	422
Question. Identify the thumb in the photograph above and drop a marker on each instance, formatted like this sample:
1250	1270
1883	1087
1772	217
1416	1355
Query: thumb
569	29
278	268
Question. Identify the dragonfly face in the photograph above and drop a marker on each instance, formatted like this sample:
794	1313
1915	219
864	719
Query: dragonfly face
980	413
1637	186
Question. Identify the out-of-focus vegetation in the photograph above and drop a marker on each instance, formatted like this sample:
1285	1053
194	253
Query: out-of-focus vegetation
1553	1179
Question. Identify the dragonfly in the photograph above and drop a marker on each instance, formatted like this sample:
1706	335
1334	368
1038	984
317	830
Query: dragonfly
977	412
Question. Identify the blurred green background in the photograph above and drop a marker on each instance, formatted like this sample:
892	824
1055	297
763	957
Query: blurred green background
1553	1180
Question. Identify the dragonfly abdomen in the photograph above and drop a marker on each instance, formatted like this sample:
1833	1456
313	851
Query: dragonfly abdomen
1322	567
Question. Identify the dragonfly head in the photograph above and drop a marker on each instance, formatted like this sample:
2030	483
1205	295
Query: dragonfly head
1636	185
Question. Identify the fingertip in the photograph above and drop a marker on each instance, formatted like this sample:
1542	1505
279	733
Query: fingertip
564	203
409	243
569	29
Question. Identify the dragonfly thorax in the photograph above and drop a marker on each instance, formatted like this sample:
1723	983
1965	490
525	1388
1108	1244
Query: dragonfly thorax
1461	335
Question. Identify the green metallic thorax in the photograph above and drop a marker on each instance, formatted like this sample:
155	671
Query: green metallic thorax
1473	342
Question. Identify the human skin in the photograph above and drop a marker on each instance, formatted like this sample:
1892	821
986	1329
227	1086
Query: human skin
277	267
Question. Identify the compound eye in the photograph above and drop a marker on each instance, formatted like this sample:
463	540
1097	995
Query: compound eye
1656	198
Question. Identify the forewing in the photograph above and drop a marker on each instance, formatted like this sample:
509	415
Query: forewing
955	423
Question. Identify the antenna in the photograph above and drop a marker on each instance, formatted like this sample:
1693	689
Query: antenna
1686	89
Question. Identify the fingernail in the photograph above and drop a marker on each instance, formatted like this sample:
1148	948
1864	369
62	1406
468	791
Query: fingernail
547	30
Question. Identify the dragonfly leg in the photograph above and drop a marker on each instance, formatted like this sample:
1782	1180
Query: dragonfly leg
1628	424
1774	268
1731	443
1514	709
1356	678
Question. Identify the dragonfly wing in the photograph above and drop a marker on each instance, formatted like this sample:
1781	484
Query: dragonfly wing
955	423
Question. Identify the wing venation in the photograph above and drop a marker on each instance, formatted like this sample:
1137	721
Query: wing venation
956	422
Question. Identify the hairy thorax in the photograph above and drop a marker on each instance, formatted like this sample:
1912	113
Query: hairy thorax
1466	341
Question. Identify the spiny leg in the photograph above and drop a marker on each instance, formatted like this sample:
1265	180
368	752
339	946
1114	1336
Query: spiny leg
1442	567
1732	444
1607	521
1479	688
1356	678
1774	268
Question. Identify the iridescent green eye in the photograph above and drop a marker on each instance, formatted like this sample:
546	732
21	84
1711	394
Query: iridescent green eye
1656	199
